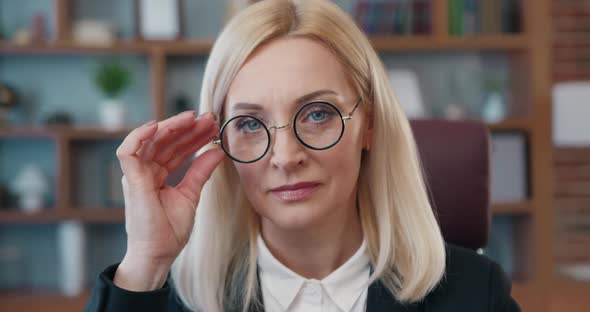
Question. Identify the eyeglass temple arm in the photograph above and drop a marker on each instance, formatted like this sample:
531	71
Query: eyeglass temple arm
217	141
354	109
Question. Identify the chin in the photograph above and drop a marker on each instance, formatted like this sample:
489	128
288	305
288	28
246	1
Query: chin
296	216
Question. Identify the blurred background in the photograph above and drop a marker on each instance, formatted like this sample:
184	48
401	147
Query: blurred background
77	75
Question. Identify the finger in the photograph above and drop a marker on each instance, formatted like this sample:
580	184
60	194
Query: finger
189	149
126	152
169	146
183	153
198	173
169	127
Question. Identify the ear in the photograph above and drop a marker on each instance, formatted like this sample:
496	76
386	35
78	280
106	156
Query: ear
368	135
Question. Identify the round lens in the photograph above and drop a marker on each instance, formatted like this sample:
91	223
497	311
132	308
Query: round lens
245	138
319	125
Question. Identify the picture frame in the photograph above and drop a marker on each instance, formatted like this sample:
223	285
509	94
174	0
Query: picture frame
158	20
510	166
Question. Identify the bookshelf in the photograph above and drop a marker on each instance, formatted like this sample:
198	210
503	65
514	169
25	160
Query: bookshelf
528	50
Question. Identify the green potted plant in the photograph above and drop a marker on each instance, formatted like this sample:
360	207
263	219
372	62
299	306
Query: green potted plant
112	79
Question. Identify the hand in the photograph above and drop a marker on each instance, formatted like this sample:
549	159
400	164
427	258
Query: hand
159	218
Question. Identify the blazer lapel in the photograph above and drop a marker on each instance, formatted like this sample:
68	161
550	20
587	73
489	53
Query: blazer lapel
380	300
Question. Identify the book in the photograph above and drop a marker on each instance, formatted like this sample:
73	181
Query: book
394	17
422	16
470	17
486	8
511	16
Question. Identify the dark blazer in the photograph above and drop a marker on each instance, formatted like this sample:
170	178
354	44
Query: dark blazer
472	283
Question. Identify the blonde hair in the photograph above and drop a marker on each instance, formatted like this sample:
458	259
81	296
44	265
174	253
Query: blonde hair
217	270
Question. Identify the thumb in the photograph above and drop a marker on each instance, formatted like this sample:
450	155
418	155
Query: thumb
198	173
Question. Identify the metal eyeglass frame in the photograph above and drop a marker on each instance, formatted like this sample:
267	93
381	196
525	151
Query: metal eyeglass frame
217	141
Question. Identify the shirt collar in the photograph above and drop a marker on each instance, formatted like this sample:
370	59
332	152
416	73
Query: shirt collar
344	285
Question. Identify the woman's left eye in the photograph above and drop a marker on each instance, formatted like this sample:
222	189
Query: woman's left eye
318	115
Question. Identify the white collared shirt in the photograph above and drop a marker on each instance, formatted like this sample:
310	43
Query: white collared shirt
344	290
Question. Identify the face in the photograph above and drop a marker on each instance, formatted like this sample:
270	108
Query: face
276	80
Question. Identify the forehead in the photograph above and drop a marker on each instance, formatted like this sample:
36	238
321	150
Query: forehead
285	69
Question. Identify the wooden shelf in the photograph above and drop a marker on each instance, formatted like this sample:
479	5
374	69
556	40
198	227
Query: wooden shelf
186	47
99	215
508	42
512	124
41	301
88	215
514	209
14	216
191	47
56	48
90	133
480	42
66	132
28	132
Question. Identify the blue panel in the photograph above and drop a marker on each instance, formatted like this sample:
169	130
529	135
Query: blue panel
15	154
28	256
15	15
91	161
46	84
106	246
184	77
500	244
118	13
203	18
347	5
452	78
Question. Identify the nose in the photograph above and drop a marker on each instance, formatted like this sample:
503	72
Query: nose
286	151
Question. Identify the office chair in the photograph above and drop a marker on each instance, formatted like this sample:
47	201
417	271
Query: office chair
456	160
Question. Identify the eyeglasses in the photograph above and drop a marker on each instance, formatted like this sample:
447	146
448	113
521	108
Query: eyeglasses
318	125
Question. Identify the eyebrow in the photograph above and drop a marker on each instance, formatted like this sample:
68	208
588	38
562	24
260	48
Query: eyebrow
298	101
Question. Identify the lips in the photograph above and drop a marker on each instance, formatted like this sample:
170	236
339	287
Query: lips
295	192
295	187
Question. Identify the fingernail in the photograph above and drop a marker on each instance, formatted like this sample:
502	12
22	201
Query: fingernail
150	123
189	112
208	115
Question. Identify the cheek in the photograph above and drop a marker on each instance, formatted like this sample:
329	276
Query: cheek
251	177
341	163
346	154
346	159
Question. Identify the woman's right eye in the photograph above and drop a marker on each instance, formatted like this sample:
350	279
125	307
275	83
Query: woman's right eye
249	125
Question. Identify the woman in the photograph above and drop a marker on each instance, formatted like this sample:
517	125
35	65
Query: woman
315	200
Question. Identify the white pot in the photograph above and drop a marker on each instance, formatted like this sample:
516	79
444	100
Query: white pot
494	109
31	203
72	257
112	114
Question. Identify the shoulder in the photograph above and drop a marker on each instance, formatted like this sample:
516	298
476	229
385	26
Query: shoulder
472	282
